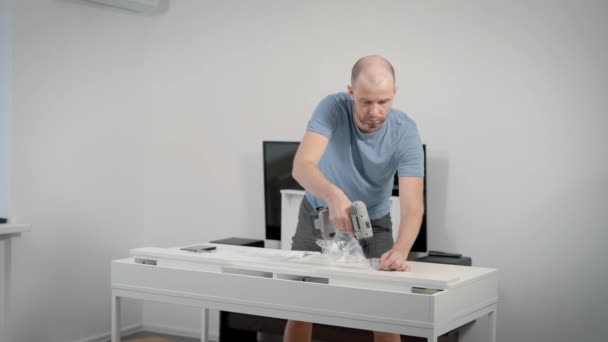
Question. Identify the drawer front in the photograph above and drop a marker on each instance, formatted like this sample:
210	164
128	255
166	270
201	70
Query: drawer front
297	293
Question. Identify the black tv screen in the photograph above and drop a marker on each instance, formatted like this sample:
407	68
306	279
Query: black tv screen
278	162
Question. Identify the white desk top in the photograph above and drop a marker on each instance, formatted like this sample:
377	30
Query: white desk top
13	228
429	301
312	264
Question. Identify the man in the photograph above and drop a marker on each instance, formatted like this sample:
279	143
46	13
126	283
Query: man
353	145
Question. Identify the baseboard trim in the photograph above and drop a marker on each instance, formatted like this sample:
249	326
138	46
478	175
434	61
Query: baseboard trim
105	337
163	329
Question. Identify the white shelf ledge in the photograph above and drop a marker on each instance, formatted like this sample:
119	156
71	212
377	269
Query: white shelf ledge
14	228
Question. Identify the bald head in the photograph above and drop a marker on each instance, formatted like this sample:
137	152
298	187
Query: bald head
373	69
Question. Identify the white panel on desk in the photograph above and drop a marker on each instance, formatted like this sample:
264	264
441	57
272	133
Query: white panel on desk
303	263
290	205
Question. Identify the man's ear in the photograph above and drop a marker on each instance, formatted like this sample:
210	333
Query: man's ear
350	92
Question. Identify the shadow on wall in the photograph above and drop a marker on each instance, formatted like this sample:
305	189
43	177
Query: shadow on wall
252	194
437	187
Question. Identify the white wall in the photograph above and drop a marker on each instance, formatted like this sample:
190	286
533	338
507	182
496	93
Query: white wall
146	130
6	9
78	165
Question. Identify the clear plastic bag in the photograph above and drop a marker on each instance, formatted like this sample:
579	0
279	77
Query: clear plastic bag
343	248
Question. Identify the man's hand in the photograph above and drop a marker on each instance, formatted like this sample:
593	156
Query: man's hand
339	213
394	260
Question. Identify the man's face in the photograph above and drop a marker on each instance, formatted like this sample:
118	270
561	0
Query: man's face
373	101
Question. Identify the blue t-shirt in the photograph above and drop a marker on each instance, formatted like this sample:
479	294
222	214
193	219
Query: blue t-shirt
363	165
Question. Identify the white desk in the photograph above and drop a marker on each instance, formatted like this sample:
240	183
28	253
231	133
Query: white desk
266	282
7	231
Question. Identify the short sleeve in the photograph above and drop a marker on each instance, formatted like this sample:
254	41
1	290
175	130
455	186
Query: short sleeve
324	118
410	162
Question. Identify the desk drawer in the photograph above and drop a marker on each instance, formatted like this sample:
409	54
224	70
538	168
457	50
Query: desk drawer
220	290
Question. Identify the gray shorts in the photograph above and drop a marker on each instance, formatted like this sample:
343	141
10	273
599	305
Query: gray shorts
306	235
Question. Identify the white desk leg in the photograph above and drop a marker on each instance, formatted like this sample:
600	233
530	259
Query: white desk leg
204	325
115	319
433	337
5	282
492	326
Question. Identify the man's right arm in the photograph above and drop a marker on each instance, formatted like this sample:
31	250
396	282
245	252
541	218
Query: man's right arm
307	173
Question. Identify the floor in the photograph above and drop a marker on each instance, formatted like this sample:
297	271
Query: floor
263	337
143	334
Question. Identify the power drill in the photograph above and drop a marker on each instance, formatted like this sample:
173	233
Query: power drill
359	216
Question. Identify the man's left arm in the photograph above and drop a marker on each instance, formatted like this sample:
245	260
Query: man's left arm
411	209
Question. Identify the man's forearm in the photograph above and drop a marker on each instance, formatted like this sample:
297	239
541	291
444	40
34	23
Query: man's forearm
409	227
312	179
